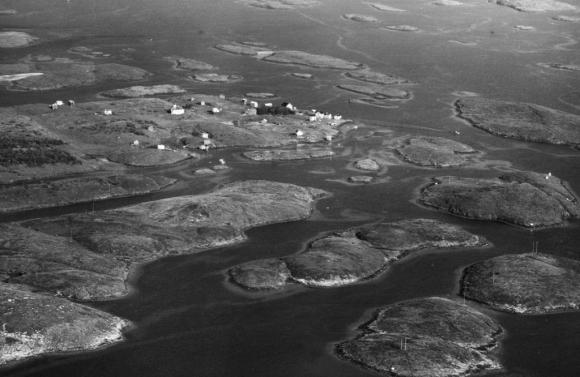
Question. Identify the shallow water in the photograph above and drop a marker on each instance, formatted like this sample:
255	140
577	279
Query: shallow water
189	321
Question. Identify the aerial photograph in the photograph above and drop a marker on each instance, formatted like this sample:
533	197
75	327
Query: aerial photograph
289	188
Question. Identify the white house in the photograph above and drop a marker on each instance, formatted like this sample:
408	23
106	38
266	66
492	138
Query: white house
207	142
59	103
216	110
204	135
136	142
268	104
202	103
337	117
108	112
160	147
254	104
71	102
177	110
299	133
312	118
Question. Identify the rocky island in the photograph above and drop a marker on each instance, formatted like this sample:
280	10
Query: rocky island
351	256
359	17
532	283
281	4
430	337
384	8
523	121
216	77
536	5
288	154
432	151
311	60
378	92
368	75
528	199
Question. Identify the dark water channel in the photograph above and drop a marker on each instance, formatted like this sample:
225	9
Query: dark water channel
189	321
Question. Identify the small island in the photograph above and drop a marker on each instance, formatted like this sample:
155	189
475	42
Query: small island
535	5
532	283
433	151
518	120
425	337
351	256
359	17
527	199
281	4
378	92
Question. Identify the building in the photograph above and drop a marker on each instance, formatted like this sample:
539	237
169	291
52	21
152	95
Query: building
176	110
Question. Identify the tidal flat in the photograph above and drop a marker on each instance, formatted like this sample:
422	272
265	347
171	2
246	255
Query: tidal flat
289	188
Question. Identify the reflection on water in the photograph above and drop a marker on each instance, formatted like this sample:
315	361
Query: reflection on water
189	323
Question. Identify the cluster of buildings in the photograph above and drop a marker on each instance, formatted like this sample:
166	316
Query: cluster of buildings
60	103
